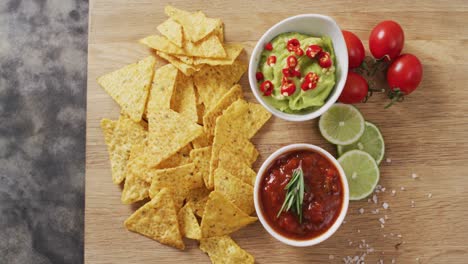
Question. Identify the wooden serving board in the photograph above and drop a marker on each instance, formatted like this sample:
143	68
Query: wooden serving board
426	135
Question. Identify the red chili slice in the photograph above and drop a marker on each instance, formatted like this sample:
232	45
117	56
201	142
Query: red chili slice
299	52
310	81
313	50
291	61
271	60
287	87
268	46
267	88
324	59
293	44
259	76
291	72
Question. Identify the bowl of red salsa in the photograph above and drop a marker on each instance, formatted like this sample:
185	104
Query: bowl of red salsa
301	195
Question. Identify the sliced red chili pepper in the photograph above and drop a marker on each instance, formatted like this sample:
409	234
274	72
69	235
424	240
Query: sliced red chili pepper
291	72
293	44
287	87
310	81
291	61
266	87
268	46
299	52
259	76
313	50
271	60
324	59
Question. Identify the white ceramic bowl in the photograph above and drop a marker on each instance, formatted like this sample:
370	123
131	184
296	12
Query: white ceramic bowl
315	25
258	206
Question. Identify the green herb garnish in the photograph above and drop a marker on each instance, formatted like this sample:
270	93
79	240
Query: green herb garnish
294	193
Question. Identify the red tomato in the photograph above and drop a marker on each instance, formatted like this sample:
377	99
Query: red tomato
386	40
355	90
405	73
356	51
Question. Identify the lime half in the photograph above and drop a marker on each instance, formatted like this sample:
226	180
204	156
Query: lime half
362	173
371	142
342	124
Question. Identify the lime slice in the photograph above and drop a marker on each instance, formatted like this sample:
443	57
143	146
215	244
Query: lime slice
371	142
342	124
362	173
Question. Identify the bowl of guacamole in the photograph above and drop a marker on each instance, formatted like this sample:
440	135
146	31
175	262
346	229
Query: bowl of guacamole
298	68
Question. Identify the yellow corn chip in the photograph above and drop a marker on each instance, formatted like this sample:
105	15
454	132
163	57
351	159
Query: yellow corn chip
181	157
188	223
243	119
197	198
209	47
202	141
137	181
212	82
219	31
129	86
238	192
221	217
162	88
172	31
184	68
157	219
180	179
201	159
169	132
108	127
223	250
237	167
161	43
233	50
125	134
237	146
184	100
209	120
196	25
185	59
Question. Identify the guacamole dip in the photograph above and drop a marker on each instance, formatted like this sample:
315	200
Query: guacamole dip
296	72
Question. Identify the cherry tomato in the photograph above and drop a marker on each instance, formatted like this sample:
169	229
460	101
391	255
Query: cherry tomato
291	61
386	40
259	76
266	87
287	87
313	50
405	74
293	44
310	81
355	89
268	46
271	60
356	51
324	59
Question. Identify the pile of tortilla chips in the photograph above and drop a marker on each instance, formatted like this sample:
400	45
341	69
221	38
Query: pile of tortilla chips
182	141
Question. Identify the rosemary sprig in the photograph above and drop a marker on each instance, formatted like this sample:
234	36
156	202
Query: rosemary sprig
294	193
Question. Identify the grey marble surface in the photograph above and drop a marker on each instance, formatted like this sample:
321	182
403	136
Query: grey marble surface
43	51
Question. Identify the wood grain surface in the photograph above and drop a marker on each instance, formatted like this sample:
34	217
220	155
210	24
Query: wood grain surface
426	135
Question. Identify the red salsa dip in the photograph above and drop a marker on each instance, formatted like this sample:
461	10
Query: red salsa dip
323	195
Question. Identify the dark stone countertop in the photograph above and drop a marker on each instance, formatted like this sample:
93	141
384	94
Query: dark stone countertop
43	55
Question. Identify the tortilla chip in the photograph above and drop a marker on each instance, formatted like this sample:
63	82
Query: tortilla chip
186	69
180	179
181	157
161	43
185	59
221	217
237	146
213	82
169	132
209	120
238	192
209	47
196	25
157	219
237	167
197	198
188	223
243	119
202	141
201	159
184	101
125	134
162	88
172	31
233	50
108	127
219	31
223	250
137	181
129	86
